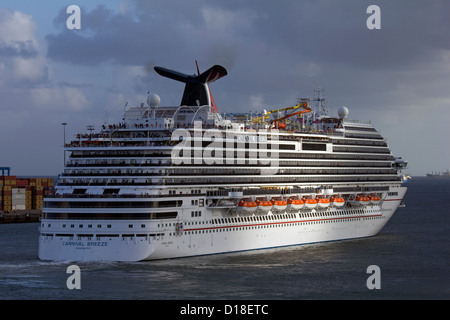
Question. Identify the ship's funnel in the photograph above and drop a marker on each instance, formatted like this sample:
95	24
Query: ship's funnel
196	91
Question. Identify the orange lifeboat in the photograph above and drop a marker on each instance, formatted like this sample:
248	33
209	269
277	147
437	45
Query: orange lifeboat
337	201
374	199
263	205
295	204
322	202
310	203
279	205
362	200
247	206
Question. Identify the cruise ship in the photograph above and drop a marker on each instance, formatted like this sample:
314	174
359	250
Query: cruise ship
187	180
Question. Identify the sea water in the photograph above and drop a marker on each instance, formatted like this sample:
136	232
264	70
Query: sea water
411	252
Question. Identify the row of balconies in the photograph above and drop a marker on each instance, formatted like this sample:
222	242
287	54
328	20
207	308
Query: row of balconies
213	180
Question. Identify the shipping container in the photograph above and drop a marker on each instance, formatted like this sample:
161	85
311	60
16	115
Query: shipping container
18	201
16	207
18	190
22	182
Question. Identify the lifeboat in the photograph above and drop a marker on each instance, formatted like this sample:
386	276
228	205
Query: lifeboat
362	200
374	199
323	203
295	204
309	202
337	201
247	206
279	205
264	206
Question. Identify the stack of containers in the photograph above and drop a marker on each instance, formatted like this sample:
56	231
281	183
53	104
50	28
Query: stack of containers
38	197
28	198
7	183
23	193
7	198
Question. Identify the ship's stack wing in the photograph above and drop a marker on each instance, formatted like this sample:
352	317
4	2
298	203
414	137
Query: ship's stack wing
212	74
175	75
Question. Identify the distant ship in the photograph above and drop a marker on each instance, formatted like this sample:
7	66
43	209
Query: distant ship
185	180
445	174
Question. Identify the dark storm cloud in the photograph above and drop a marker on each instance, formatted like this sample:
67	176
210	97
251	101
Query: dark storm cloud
126	39
269	34
270	48
104	37
335	32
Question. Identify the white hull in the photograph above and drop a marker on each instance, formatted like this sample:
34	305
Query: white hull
215	235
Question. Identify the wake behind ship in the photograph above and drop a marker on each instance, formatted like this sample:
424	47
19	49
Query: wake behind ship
185	180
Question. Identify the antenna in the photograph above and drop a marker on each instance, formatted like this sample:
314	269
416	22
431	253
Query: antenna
320	101
198	70
90	128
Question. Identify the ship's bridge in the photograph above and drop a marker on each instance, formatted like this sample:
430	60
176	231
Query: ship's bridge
142	117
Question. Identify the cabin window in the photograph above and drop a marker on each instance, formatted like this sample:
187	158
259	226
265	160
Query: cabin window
314	146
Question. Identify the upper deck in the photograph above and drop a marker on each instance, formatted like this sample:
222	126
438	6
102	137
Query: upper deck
155	126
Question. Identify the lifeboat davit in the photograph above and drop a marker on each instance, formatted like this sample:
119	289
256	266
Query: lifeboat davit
362	200
374	199
309	203
337	201
247	206
279	205
264	206
295	204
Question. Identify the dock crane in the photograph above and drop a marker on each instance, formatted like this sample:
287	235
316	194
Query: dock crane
3	169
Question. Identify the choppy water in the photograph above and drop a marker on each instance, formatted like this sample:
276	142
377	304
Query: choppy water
412	252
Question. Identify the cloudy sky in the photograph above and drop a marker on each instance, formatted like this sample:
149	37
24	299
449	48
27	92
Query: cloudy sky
398	77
